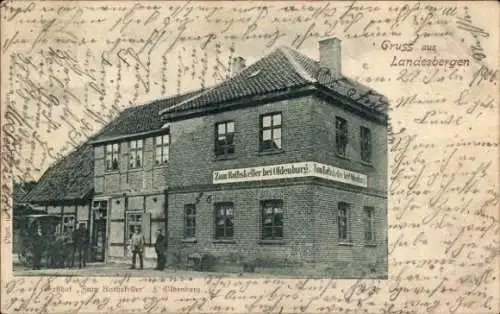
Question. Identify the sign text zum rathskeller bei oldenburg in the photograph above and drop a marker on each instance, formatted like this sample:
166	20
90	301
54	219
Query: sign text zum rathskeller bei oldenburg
291	170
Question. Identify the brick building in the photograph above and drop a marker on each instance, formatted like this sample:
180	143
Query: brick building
285	163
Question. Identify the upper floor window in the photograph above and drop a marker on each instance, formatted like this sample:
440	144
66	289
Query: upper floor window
272	220
162	144
112	156
343	221
369	224
224	220
135	154
341	136
270	131
224	138
366	144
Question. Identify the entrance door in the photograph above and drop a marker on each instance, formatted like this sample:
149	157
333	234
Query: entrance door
100	217
99	240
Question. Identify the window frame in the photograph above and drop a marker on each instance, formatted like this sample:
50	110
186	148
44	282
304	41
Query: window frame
135	152
272	127
226	147
128	232
366	145
162	146
187	217
344	206
65	225
341	136
275	203
114	154
217	208
369	227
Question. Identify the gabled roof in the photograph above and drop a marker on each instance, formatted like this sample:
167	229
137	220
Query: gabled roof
141	119
71	177
282	69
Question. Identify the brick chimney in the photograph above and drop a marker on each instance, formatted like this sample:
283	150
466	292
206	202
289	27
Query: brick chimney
330	55
238	65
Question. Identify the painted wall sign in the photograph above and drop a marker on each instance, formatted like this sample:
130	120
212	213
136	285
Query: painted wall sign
291	170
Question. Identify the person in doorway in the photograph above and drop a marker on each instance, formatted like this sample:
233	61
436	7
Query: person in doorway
160	245
80	245
37	248
137	246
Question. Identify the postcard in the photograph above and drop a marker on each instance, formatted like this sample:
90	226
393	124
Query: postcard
249	157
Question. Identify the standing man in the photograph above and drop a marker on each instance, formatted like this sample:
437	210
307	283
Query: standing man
38	247
83	239
160	250
137	246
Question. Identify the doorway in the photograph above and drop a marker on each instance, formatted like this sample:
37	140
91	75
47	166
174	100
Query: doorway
99	238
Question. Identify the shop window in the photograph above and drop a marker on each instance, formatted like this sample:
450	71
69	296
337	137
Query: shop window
162	144
341	136
270	132
224	220
272	220
344	223
369	224
189	221
68	223
224	138
366	144
135	154
112	157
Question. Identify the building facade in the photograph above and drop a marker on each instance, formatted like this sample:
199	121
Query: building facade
283	164
131	158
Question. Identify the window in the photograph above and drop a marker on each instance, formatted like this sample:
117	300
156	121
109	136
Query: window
270	132
135	154
369	223
344	222
341	136
190	221
112	156
134	220
100	209
224	138
68	223
366	144
224	221
161	149
272	220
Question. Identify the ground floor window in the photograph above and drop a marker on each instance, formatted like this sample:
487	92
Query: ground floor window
224	220
134	220
369	224
190	221
343	221
68	223
272	219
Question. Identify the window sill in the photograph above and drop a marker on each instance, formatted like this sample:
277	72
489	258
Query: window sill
366	163
270	152
189	240
370	244
342	157
225	157
272	242
224	241
159	166
345	243
111	171
135	169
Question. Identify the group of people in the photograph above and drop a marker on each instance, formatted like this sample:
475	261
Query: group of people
62	249
137	242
